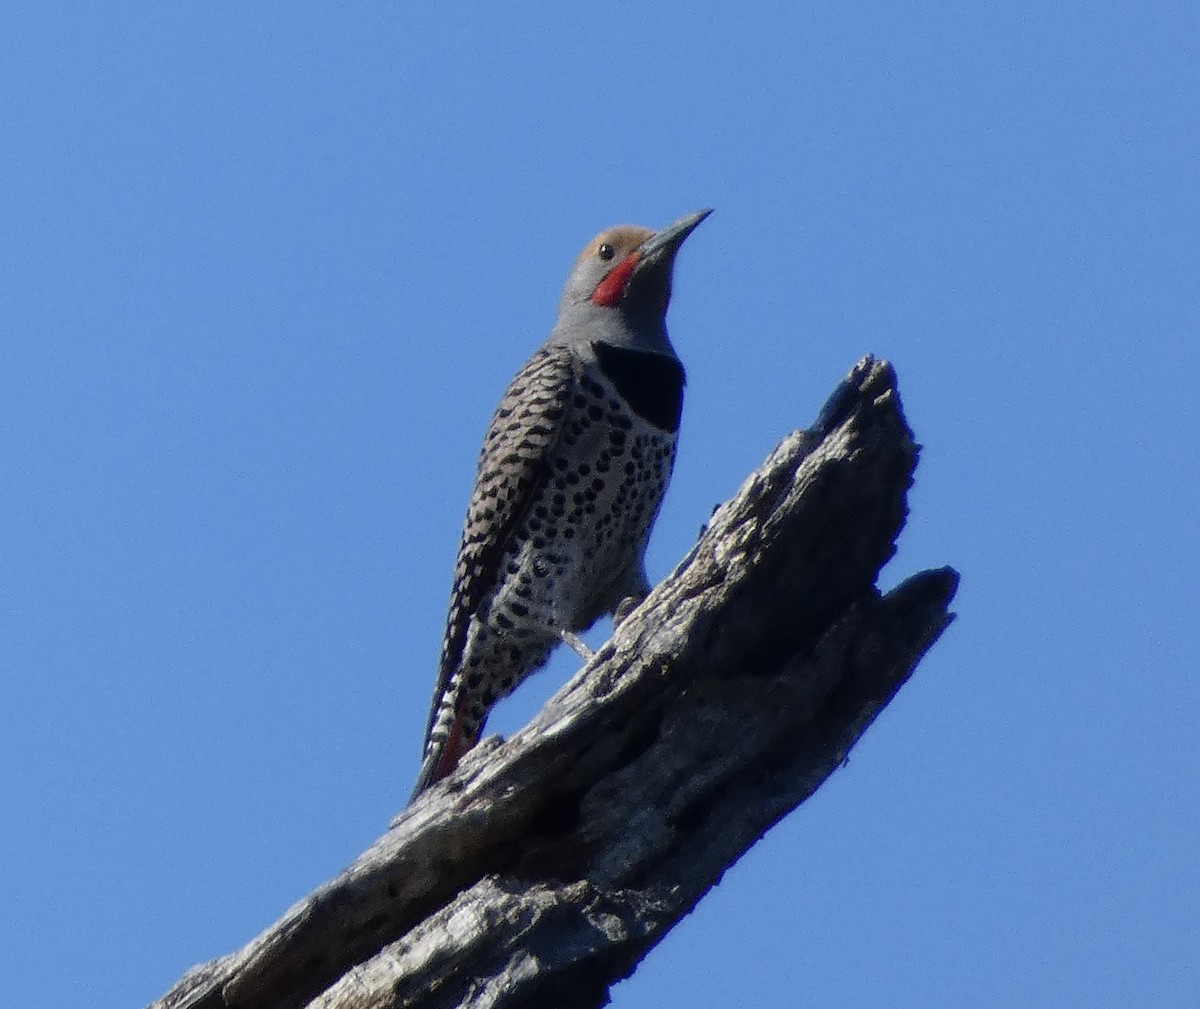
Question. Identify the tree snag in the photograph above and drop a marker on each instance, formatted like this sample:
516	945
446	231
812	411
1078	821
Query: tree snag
548	865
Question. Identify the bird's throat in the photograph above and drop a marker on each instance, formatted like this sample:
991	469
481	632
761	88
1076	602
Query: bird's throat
652	384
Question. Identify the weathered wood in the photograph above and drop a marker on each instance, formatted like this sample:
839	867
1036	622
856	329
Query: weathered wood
547	866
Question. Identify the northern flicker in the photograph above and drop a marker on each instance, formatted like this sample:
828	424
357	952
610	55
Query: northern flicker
573	469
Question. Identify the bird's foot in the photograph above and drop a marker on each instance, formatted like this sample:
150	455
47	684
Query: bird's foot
625	607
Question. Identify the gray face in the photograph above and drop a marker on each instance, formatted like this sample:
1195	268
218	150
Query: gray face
605	255
619	289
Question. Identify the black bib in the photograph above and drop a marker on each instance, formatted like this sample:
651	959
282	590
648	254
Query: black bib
651	384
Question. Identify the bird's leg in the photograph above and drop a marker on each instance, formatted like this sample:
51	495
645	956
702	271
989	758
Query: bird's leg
576	643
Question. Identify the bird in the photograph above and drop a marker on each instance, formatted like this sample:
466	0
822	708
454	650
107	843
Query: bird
573	469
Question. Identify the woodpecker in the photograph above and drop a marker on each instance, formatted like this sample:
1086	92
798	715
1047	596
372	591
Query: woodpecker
574	466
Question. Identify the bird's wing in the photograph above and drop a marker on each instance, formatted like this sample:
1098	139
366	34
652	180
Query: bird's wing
514	460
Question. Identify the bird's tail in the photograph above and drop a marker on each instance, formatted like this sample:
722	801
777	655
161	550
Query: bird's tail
499	662
450	738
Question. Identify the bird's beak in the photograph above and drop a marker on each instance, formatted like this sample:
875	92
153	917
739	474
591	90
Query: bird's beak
664	244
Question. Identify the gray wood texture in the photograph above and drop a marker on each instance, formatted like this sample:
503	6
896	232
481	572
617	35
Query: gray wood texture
548	865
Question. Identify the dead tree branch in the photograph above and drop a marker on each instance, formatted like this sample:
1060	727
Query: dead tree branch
547	866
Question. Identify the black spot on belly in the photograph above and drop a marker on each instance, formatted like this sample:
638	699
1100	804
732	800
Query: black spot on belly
651	384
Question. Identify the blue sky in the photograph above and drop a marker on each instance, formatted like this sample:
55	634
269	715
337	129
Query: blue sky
264	274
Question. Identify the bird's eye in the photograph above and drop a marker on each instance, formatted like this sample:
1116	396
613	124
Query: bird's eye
606	251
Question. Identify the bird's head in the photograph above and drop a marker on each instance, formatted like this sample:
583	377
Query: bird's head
622	280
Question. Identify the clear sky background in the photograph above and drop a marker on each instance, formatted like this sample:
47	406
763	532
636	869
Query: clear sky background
263	276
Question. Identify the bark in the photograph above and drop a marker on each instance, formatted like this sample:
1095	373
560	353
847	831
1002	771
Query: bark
547	866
